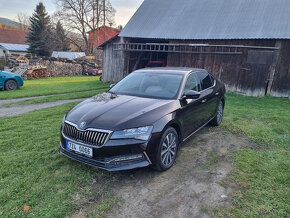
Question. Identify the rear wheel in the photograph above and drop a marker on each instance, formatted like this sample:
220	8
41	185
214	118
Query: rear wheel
219	116
11	85
167	150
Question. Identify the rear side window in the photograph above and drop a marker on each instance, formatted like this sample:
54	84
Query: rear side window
206	79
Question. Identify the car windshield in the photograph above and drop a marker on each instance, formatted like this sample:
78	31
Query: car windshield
150	85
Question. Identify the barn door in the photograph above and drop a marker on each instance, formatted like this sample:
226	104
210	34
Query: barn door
253	74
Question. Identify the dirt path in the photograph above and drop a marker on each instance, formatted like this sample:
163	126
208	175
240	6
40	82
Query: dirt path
13	110
14	100
192	188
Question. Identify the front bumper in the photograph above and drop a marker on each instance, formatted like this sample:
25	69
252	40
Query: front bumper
114	156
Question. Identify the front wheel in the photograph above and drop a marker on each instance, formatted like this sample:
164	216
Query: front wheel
167	150
219	116
11	85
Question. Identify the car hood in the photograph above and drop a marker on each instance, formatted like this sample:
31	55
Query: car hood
115	112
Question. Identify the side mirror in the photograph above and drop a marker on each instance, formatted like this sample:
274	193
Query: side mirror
191	94
112	85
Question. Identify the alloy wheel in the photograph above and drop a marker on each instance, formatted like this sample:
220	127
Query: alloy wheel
220	113
168	149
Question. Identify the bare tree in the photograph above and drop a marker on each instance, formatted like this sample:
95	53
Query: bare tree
120	27
23	20
85	15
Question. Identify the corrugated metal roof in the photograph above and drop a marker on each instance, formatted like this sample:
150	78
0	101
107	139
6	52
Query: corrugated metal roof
210	19
14	47
68	55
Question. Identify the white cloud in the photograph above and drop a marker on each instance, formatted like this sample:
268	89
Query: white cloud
123	15
125	10
9	8
126	3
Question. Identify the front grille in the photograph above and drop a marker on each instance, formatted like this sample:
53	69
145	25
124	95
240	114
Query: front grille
95	138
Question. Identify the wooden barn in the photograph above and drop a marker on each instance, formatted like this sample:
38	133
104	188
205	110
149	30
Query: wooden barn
245	43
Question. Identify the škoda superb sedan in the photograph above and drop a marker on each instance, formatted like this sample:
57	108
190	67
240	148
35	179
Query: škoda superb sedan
143	119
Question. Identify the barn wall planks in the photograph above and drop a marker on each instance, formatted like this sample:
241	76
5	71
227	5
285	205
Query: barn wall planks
114	63
246	73
281	81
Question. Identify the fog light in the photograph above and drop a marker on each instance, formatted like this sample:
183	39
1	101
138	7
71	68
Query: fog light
126	158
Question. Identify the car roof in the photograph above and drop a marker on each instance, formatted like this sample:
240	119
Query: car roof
176	70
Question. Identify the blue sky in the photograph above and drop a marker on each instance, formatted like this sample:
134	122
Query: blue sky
10	8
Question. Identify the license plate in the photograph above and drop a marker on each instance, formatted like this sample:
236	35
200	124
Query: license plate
79	149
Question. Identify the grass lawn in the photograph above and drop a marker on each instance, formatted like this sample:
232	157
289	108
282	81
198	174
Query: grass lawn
263	173
33	173
73	95
55	85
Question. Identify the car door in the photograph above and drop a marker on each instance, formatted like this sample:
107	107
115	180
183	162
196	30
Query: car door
209	97
1	80
191	112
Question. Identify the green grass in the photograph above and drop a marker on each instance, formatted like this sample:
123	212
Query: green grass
33	173
211	159
263	172
55	85
75	95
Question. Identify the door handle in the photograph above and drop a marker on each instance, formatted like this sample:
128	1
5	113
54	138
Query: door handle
217	93
204	100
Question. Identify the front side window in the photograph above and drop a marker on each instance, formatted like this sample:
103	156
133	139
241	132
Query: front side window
205	79
192	83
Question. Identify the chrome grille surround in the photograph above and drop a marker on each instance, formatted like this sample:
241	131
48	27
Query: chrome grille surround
90	136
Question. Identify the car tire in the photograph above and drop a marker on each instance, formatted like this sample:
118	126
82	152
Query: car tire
11	85
167	150
217	120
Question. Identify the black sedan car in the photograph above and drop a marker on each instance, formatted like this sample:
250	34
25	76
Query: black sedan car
142	120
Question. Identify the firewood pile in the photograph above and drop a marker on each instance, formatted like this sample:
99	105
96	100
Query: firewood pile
34	67
56	68
36	73
30	72
17	61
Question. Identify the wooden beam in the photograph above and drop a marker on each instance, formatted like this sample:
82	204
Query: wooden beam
273	67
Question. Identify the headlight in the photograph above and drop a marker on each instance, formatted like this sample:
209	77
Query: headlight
142	133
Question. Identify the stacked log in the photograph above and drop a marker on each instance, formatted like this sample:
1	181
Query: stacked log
46	67
30	72
56	68
36	73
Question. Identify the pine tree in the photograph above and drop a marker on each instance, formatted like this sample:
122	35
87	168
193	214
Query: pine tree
40	32
61	40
